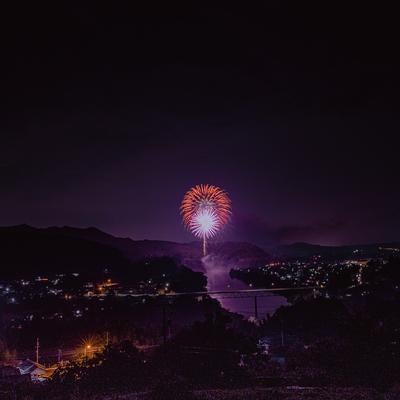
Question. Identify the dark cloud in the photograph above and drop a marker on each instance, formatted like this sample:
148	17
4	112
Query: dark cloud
260	231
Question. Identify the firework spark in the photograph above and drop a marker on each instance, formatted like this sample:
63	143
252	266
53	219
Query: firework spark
205	209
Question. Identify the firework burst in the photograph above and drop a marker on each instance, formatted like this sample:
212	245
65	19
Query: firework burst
205	209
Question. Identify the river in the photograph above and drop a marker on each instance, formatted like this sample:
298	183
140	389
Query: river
219	279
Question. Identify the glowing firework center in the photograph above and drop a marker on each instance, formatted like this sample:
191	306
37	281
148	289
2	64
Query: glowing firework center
204	223
205	210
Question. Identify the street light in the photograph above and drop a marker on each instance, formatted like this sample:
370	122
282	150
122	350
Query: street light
87	348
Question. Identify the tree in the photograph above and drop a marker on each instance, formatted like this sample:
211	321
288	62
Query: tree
118	367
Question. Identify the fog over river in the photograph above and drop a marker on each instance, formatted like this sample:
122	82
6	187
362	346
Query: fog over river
218	277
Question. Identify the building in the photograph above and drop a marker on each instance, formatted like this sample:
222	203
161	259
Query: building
36	371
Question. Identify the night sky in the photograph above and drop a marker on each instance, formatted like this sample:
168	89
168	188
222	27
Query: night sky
110	114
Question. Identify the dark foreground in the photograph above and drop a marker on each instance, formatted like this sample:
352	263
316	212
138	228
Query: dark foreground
284	393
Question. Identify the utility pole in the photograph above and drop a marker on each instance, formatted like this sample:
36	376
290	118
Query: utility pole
255	308
37	350
164	327
282	335
314	293
59	355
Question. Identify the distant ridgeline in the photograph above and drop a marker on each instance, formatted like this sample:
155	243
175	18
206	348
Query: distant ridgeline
305	250
25	250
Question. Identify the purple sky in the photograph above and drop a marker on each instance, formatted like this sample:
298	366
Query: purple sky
109	117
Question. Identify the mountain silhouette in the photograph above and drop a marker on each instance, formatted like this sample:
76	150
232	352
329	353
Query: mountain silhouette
25	249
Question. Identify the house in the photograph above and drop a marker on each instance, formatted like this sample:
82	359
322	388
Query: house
37	371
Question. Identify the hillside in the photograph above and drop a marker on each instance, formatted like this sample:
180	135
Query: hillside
28	249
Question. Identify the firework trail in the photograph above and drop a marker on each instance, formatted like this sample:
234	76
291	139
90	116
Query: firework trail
205	209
